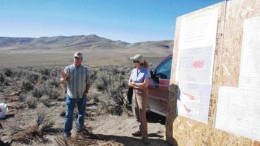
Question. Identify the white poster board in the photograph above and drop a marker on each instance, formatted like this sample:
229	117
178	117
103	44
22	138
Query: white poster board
195	60
238	109
238	112
199	30
250	56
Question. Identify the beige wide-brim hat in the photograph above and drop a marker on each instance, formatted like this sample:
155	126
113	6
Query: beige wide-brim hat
138	57
77	54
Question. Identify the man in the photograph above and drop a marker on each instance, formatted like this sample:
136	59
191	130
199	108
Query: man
78	84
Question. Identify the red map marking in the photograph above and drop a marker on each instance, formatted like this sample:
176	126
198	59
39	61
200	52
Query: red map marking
198	64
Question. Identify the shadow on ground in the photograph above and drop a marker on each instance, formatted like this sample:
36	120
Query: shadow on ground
131	141
155	118
87	136
8	116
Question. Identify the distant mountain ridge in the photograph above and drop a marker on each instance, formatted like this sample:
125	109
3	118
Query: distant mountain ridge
8	41
77	42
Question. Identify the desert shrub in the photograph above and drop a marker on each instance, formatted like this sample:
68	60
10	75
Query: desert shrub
2	78
8	72
46	100
18	73
53	82
55	71
93	75
31	101
43	123
22	97
100	84
44	78
27	85
53	93
38	91
45	71
102	80
36	130
115	70
94	96
33	76
115	91
41	114
47	126
6	83
122	70
113	81
51	88
116	110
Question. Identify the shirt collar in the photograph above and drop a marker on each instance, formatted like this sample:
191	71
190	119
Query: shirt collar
139	69
75	65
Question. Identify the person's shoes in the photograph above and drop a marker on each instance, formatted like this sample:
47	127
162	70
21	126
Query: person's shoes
79	132
67	136
145	141
137	133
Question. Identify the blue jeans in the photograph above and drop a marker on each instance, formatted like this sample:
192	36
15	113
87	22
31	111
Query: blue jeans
70	105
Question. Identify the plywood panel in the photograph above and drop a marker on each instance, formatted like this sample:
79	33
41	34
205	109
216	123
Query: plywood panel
184	131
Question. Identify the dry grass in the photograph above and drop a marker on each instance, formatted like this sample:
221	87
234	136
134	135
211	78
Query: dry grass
31	101
36	130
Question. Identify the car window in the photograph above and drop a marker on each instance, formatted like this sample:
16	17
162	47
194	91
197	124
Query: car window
164	69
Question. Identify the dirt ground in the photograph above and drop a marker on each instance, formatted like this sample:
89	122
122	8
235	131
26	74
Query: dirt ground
102	129
119	129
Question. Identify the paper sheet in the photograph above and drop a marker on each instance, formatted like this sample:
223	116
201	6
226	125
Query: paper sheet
239	112
194	101
238	109
195	63
250	56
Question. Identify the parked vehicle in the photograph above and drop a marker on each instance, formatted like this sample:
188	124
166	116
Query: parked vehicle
158	87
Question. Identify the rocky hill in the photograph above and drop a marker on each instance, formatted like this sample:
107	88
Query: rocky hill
77	42
59	49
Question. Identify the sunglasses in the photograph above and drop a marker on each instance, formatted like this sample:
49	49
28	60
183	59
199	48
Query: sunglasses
77	58
135	61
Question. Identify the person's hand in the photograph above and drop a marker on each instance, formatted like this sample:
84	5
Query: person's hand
133	83
63	75
63	78
85	93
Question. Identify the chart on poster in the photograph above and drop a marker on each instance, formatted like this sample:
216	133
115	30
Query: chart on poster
195	65
193	101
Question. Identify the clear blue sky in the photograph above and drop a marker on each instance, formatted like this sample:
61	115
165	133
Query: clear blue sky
126	20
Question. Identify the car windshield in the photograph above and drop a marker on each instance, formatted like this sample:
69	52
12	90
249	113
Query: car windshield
164	69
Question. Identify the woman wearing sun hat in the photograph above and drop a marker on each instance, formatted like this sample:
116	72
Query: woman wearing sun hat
139	80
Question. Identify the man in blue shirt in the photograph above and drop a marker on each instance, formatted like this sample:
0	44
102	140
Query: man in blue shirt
78	84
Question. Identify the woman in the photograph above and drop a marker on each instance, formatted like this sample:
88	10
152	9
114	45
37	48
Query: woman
139	80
